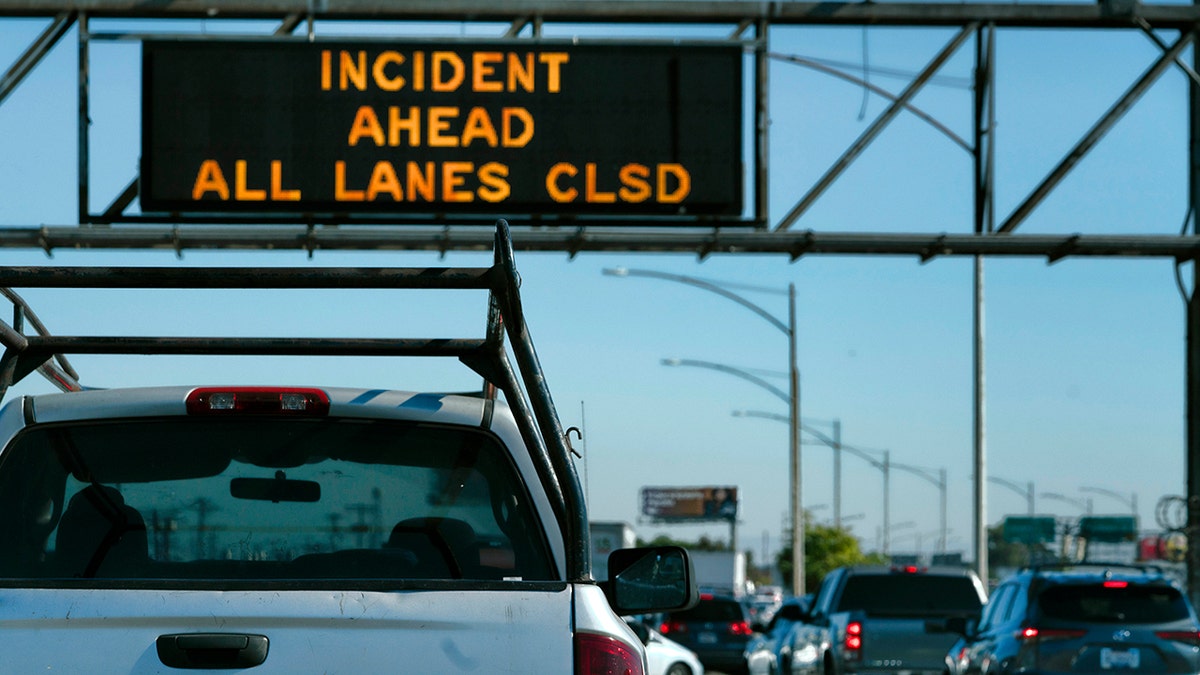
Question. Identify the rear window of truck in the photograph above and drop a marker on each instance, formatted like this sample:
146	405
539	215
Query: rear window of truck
910	595
264	498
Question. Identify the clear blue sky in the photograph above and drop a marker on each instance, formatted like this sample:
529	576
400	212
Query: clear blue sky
1085	369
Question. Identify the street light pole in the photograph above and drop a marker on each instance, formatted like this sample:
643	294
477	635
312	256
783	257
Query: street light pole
887	533
1084	504
1130	501
798	559
837	474
940	482
796	529
835	443
1026	492
793	398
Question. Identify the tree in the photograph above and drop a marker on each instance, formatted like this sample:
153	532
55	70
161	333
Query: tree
825	548
1008	554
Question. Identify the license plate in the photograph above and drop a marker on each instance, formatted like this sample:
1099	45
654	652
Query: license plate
707	638
1119	658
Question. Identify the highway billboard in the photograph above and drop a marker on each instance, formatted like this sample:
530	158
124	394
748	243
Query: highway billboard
690	503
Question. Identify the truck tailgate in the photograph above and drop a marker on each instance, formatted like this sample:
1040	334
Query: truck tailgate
77	631
903	644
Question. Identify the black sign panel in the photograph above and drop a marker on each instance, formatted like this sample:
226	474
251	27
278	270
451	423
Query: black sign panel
414	127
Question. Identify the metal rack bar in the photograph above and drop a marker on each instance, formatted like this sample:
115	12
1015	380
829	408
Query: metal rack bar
525	388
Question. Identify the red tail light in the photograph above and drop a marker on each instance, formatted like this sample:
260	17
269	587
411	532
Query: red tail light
1188	637
740	628
852	641
257	401
672	627
1046	634
1116	584
604	655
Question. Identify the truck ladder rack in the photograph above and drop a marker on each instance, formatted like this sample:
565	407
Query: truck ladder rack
524	388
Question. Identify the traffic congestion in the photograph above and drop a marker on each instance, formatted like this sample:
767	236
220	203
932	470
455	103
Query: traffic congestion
1063	617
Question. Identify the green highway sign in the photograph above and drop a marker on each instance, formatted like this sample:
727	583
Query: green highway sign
1029	529
1108	528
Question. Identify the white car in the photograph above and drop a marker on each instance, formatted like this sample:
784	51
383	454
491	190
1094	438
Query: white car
664	656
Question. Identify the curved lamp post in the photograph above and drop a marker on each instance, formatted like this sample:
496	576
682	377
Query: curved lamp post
1130	501
836	444
939	480
1026	492
792	397
1084	505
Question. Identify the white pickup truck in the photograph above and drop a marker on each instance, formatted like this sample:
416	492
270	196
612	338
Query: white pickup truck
290	529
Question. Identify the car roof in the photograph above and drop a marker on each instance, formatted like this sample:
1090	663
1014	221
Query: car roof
936	570
170	400
1097	572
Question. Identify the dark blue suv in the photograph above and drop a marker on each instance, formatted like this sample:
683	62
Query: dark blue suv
1081	618
718	630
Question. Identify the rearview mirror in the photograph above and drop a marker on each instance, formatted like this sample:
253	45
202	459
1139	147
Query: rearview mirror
277	489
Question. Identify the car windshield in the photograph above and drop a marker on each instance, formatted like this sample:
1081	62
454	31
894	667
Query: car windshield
910	594
264	498
1114	603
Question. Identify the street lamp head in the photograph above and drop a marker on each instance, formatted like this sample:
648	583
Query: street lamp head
616	271
672	362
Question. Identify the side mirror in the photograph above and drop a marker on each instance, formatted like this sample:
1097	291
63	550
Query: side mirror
651	579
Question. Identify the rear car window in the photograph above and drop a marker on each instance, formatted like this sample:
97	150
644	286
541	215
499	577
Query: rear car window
910	594
712	610
264	499
1096	603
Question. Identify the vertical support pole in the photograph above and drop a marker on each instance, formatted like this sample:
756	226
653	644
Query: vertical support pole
733	541
794	414
1192	359
887	500
1029	498
762	121
985	112
837	474
945	530
979	428
84	120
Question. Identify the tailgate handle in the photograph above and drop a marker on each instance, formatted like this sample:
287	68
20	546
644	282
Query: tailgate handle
212	650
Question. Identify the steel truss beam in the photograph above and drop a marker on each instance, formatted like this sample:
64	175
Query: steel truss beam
794	244
1026	15
515	17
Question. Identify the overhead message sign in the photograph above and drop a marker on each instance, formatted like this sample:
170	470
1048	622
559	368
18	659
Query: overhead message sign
690	503
416	127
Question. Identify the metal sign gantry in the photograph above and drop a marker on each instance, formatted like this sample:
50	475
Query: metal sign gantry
750	23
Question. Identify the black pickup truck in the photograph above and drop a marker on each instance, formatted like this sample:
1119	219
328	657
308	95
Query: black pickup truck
875	620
